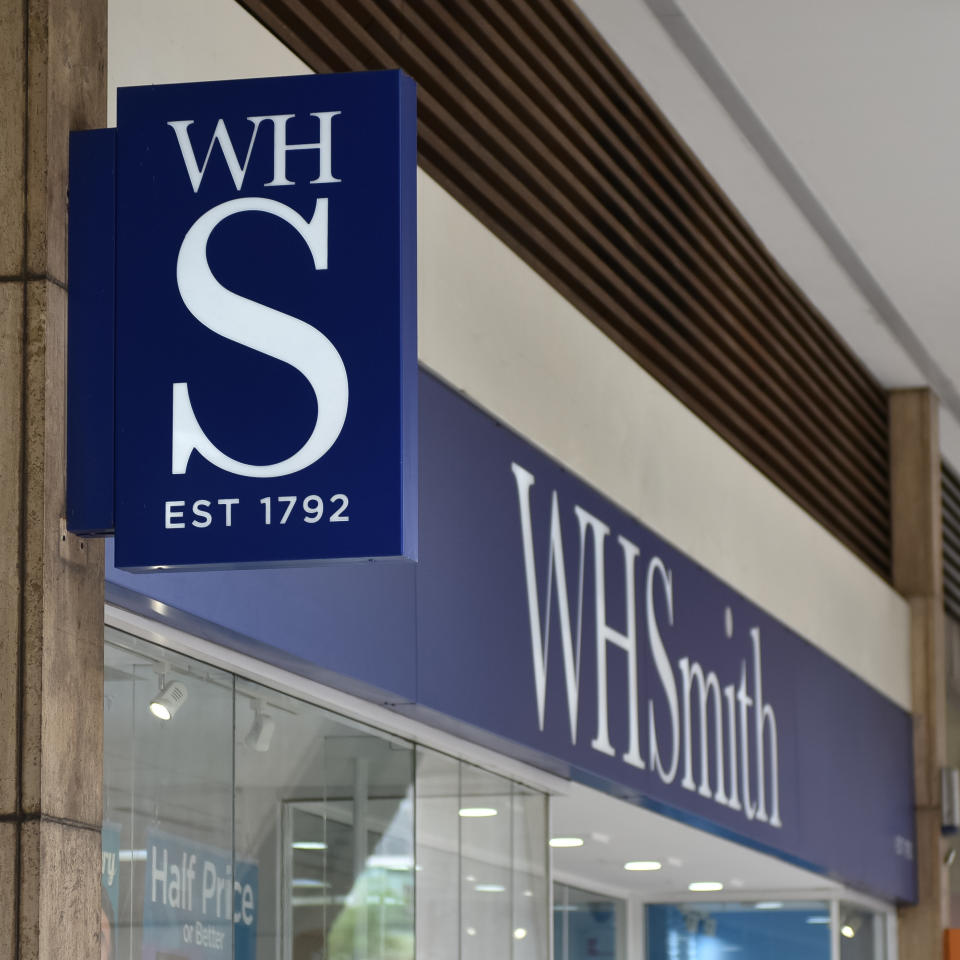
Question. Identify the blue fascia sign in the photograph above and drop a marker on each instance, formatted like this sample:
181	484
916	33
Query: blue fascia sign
265	338
544	621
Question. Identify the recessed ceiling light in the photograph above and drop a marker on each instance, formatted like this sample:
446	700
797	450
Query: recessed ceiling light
642	865
490	888
471	931
768	905
308	845
847	931
705	886
528	893
566	841
477	812
386	861
519	933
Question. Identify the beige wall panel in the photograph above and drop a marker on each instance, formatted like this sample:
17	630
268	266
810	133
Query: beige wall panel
494	329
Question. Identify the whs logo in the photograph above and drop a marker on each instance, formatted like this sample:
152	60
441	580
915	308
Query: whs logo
255	325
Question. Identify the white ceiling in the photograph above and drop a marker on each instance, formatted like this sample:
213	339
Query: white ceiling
615	832
832	125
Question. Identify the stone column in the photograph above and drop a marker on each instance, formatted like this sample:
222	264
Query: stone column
918	575
52	80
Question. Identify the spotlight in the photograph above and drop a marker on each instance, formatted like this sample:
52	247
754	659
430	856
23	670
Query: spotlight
850	926
169	700
261	731
949	800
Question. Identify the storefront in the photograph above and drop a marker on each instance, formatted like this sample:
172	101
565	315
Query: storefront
380	753
631	700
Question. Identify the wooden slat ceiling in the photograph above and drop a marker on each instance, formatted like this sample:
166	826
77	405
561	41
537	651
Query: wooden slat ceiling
950	497
530	121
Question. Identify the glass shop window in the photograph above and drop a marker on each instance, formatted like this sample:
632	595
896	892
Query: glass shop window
244	824
587	925
481	864
863	933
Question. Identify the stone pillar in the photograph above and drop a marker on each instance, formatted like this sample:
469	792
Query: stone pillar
918	575
52	80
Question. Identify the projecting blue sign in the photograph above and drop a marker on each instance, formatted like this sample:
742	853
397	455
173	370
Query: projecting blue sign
266	321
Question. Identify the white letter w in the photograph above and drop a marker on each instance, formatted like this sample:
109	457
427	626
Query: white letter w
220	135
540	641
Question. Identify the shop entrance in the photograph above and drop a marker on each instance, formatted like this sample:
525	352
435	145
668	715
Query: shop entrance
631	884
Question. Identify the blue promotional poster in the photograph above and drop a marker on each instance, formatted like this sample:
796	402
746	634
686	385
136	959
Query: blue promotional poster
197	905
110	868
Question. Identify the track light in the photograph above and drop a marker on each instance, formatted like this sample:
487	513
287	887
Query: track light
169	700
261	731
850	925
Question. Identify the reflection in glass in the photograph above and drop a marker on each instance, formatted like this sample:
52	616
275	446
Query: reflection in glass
249	824
587	925
254	826
168	805
481	864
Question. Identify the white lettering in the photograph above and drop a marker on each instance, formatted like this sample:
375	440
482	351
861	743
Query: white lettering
158	875
220	135
261	328
605	634
173	512
665	673
724	774
324	147
729	694
228	503
108	865
706	686
745	703
200	510
208	889
763	715
540	640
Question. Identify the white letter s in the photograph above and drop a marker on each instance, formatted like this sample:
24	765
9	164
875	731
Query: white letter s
261	328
